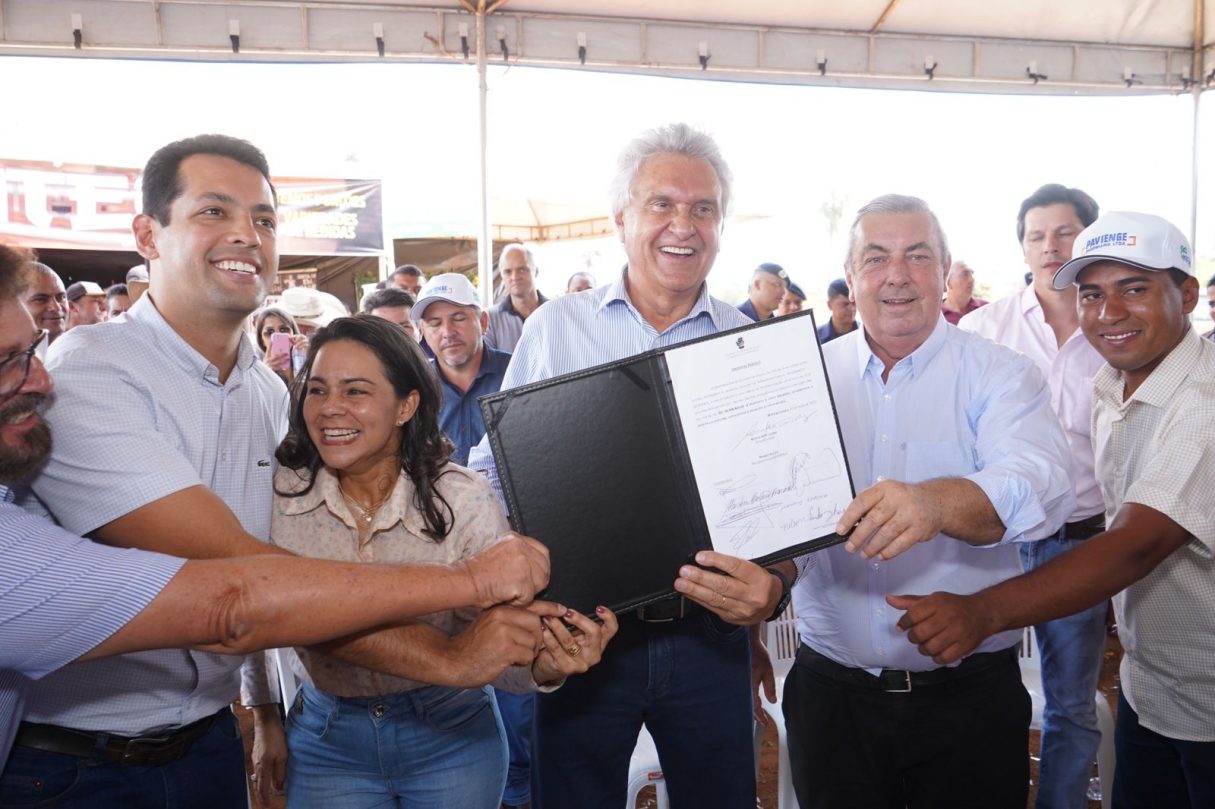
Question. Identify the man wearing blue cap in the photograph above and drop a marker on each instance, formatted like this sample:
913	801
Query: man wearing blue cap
768	285
793	301
1154	437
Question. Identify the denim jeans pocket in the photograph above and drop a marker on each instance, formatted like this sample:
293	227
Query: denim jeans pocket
309	716
37	778
721	631
451	708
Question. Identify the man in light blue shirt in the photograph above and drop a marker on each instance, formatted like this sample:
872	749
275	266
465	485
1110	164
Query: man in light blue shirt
957	455
682	666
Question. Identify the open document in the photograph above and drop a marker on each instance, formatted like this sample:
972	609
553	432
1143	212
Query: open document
762	438
625	470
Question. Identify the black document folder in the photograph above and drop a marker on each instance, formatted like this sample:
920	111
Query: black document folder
597	465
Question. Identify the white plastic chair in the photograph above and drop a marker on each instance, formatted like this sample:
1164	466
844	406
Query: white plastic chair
1031	678
782	642
644	770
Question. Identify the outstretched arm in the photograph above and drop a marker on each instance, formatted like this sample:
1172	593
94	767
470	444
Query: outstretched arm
947	627
242	604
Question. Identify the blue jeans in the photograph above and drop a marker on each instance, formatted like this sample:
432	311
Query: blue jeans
210	776
1155	771
429	748
689	681
1070	650
516	711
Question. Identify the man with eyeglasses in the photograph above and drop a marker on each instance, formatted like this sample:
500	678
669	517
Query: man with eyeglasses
45	299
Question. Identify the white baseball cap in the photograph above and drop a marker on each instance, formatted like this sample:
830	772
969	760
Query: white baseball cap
451	287
1141	240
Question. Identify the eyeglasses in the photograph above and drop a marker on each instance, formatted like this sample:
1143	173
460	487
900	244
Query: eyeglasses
15	370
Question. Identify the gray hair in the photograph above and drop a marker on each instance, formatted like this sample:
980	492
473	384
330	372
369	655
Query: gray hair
517	248
894	203
669	139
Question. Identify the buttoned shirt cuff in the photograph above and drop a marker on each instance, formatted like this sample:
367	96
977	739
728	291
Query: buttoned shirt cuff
258	680
1018	506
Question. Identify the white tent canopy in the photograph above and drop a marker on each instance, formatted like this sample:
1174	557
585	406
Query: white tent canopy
1089	46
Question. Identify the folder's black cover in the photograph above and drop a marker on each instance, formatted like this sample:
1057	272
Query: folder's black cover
593	464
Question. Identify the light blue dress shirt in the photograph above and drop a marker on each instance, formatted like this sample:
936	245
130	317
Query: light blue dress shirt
138	415
60	596
506	325
593	327
959	406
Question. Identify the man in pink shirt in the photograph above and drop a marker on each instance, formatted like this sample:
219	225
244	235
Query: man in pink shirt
1042	323
960	297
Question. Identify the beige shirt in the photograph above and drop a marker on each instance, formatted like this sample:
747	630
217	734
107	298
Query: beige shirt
1158	449
319	524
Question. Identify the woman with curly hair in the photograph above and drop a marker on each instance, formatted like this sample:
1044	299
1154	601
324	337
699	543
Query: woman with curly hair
365	477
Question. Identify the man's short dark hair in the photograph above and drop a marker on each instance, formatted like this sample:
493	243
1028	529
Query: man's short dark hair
1180	276
116	289
162	175
1053	194
837	288
1211	283
13	280
407	269
388	296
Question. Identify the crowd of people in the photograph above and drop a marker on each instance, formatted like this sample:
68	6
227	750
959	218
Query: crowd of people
291	475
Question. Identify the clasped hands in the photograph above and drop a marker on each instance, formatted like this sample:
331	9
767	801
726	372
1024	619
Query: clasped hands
515	630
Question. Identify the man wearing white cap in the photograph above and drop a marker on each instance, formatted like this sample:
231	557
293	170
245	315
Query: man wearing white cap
454	327
1154	436
1042	323
137	282
86	304
311	308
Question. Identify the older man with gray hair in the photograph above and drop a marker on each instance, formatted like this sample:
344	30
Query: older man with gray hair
680	667
518	269
957	455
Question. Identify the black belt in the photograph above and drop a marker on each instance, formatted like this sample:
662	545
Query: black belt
899	681
669	609
147	751
1086	528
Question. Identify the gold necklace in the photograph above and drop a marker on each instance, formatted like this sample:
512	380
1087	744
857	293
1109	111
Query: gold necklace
366	513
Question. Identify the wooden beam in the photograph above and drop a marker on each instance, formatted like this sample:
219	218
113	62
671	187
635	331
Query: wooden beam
885	14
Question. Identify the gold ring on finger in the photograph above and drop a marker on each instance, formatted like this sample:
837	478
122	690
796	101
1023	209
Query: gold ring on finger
574	649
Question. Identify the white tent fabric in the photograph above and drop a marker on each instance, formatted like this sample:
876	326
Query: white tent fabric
1091	46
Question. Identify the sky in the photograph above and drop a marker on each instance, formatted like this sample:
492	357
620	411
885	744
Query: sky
554	136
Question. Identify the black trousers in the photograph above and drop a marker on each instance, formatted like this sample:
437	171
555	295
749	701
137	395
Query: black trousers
962	743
